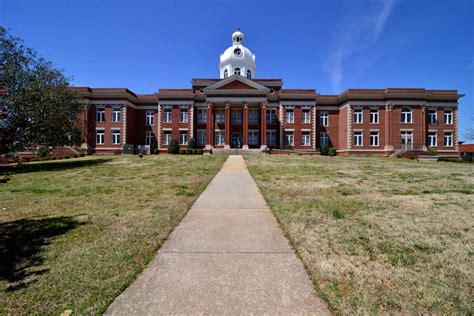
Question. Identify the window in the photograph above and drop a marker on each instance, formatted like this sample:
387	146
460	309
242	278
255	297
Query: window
150	118
271	138
115	137
166	137
249	74
374	138
168	116
432	117
324	139
100	115
236	116
432	139
289	139
324	119
306	116
226	73
290	116
116	115
374	116
406	139
253	138
149	138
100	137
448	117
448	139
357	138
183	115
220	117
306	139
358	116
219	137
183	137
253	116
201	137
406	115
202	116
237	71
271	116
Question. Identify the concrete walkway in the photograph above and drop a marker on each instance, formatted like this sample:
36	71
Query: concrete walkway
227	256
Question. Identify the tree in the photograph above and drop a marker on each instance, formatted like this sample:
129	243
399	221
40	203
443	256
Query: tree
192	144
470	130
173	147
39	108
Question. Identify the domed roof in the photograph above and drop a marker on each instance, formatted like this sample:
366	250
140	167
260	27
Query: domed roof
237	59
238	51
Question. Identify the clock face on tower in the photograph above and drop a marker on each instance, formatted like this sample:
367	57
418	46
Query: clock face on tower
237	52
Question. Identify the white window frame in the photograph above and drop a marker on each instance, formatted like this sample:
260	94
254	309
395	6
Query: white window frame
183	137
448	139
289	135
149	138
289	116
100	116
324	119
115	137
374	139
305	138
358	116
406	117
116	114
407	137
167	137
306	116
432	139
219	115
271	138
448	117
237	71
323	138
271	116
253	116
150	118
432	117
201	137
168	115
202	116
374	116
219	137
100	137
249	74
183	115
236	117
253	137
358	139
226	73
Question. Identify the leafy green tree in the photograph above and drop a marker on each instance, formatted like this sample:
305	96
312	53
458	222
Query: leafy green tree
39	108
173	147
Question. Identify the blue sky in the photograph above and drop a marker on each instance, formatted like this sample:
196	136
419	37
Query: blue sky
326	45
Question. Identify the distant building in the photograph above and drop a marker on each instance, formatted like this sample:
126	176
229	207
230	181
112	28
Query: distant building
467	149
239	110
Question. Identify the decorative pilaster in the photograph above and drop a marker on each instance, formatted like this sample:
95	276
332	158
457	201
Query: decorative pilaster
227	127
209	127
423	128
191	121
263	126
349	128
124	124
246	127
314	136
455	131
281	131
388	128
158	132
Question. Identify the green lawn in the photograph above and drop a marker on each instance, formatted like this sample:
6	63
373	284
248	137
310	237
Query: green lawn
75	233
377	235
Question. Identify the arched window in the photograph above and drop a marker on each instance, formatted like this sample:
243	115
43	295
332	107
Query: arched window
226	73
249	74
237	71
406	115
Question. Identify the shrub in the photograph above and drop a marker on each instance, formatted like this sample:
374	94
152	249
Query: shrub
183	151
42	151
432	151
82	154
332	151
54	158
67	157
448	159
399	155
173	147
466	158
199	151
76	155
337	214
192	144
156	151
324	149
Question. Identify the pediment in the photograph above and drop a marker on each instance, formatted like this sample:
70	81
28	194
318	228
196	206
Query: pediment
237	82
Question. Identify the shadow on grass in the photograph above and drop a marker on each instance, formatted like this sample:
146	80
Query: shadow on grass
51	166
22	242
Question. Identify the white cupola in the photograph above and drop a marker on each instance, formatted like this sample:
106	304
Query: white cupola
237	59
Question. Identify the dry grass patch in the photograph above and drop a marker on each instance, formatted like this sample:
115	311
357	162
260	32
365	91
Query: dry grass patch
74	234
377	235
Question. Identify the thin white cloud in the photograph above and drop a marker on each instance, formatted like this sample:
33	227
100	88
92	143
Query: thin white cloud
358	31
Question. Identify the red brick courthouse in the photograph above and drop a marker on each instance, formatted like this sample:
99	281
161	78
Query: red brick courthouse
241	111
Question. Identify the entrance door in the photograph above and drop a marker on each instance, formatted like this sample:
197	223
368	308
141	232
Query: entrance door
236	140
407	140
